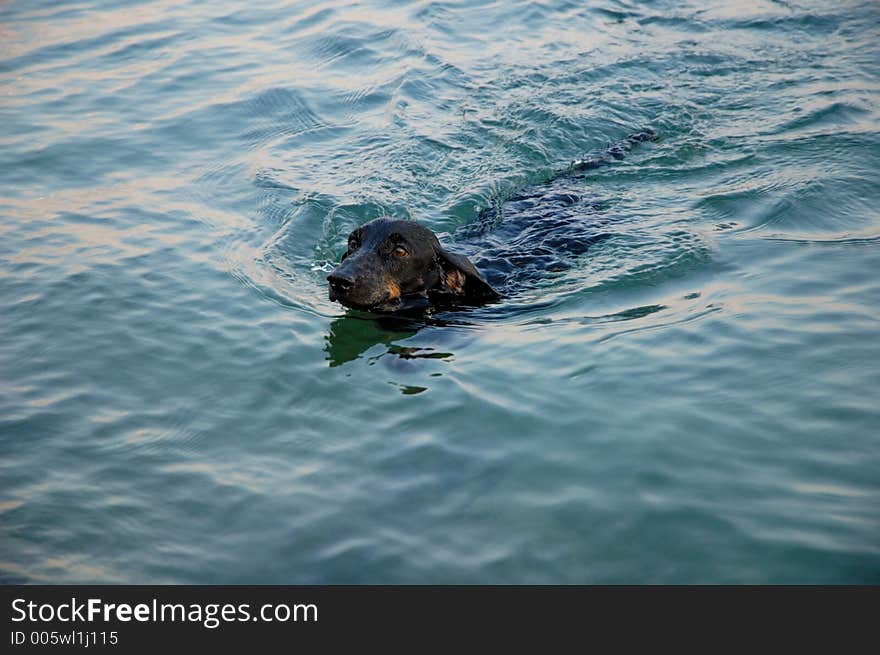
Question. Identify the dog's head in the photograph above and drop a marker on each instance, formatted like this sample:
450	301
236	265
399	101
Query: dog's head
392	265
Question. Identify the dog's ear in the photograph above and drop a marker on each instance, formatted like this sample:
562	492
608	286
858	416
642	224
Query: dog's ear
461	278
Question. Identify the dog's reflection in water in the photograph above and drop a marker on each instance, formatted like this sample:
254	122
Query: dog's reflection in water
350	336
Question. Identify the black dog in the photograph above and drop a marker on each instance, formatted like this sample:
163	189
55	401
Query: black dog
395	265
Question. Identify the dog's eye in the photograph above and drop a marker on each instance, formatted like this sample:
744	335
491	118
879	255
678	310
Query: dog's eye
353	243
399	251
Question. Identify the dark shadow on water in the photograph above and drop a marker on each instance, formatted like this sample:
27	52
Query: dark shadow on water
350	336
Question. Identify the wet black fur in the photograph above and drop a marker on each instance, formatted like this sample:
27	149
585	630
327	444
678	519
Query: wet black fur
393	265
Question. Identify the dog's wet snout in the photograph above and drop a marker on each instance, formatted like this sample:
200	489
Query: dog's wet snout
340	283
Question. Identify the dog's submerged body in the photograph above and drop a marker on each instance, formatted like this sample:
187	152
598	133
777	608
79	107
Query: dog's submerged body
397	265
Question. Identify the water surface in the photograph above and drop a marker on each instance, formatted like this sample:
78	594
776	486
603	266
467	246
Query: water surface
693	400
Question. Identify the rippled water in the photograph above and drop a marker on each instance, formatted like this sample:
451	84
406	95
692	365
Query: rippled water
694	400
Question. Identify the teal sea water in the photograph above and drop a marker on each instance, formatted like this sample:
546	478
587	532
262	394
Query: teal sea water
696	400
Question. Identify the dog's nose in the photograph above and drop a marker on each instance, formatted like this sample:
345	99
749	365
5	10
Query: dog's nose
341	284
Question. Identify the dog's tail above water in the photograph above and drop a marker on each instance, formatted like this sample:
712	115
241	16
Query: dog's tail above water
614	152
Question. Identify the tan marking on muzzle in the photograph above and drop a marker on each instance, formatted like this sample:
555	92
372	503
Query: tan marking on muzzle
393	289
